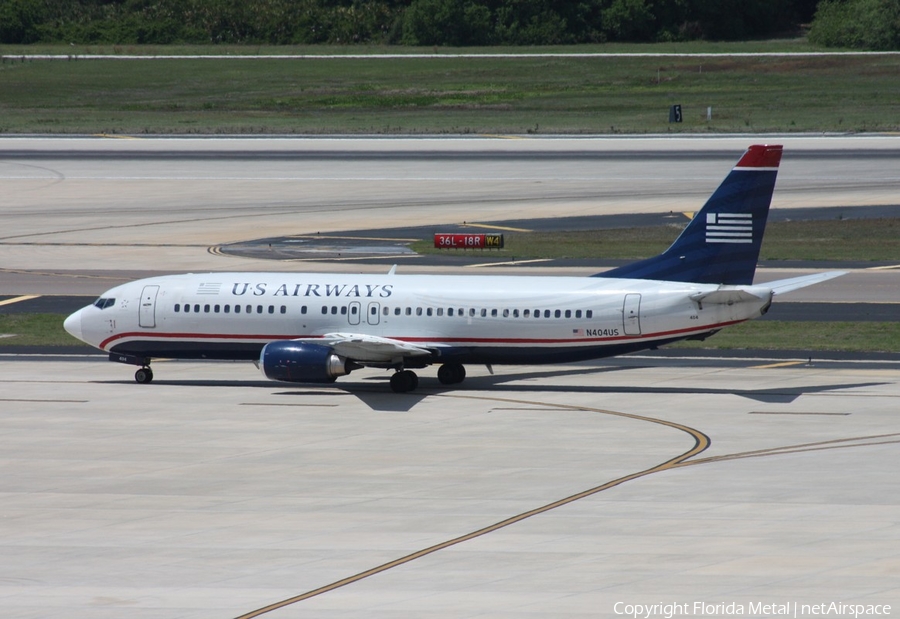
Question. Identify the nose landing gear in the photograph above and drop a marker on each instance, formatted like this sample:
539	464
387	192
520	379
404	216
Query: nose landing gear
144	375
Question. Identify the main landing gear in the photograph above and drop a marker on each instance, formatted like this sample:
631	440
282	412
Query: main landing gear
452	373
406	380
403	381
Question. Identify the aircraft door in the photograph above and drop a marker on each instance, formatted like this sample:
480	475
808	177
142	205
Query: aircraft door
373	314
353	315
631	314
147	317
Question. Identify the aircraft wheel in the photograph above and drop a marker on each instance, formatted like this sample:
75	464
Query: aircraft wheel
404	381
143	376
451	373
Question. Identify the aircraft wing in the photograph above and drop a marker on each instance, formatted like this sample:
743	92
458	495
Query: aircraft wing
367	348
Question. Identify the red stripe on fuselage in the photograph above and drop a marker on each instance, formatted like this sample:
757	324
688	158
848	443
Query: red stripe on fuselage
415	340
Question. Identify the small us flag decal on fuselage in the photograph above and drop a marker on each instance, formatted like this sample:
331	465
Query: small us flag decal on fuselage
729	228
209	288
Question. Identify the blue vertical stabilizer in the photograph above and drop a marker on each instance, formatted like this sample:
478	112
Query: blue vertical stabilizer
721	243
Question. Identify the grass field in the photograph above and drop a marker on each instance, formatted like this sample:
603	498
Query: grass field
449	94
875	240
806	336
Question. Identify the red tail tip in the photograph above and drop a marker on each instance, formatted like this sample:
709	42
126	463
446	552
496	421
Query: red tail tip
761	156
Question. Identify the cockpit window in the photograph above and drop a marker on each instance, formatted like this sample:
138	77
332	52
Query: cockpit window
103	303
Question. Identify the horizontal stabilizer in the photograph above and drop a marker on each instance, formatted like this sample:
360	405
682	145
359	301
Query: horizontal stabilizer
782	286
728	296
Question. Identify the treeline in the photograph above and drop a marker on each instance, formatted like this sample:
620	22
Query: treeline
411	22
860	24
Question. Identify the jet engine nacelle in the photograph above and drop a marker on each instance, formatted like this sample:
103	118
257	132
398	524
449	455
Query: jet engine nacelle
299	362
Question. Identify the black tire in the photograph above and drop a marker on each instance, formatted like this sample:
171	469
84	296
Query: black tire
404	381
451	373
143	376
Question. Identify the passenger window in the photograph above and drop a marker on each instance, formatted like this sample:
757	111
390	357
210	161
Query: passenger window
471	311
259	309
589	314
493	313
237	309
216	309
324	309
440	311
546	313
409	311
196	308
343	310
284	309
177	307
484	313
418	311
568	313
303	310
515	313
334	310
428	312
557	314
527	313
396	311
577	313
506	313
249	309
449	311
271	309
227	309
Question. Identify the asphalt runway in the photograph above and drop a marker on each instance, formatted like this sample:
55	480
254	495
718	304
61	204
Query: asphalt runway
92	205
557	491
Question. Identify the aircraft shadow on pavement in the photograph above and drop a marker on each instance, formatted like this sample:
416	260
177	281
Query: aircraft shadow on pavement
375	393
783	395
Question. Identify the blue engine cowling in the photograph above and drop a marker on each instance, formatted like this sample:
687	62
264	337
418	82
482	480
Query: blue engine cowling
299	362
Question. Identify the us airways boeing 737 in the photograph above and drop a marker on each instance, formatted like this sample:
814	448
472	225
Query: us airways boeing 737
314	328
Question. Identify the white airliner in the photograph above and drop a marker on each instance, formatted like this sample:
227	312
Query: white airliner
313	328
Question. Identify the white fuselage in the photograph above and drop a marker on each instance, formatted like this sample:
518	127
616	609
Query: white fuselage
470	319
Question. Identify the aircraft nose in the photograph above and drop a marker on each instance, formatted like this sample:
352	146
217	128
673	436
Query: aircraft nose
73	325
